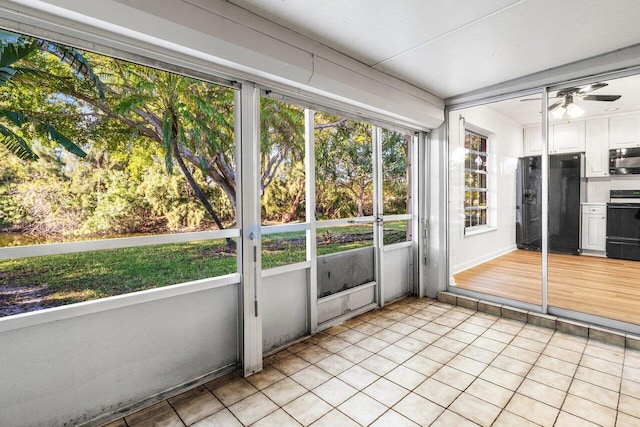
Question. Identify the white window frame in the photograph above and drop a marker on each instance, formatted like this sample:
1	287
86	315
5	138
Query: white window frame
474	229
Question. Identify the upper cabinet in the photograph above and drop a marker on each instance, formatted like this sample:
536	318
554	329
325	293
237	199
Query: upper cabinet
564	138
567	138
624	131
597	148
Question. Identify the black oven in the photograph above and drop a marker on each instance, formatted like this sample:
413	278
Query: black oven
623	230
624	161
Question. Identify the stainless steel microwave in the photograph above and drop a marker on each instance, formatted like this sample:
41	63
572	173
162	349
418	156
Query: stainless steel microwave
624	161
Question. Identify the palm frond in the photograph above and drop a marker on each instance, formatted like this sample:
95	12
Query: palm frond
16	145
59	138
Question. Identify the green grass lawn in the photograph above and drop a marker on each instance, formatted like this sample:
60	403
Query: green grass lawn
69	278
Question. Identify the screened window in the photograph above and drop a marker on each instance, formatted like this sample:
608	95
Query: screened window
475	181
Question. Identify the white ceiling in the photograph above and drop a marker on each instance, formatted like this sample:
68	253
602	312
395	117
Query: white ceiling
450	47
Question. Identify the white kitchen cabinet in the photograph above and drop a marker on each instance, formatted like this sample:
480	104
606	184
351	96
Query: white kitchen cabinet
594	226
597	148
624	131
533	141
567	138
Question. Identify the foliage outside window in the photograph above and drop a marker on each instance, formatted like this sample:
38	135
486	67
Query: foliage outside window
396	184
475	181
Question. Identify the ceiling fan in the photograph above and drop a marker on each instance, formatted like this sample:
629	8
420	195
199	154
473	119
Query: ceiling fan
567	98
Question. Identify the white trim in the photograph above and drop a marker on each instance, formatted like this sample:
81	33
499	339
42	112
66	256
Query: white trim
482	259
12	252
345	221
474	231
283	269
283	228
397	246
347	292
55	314
400	217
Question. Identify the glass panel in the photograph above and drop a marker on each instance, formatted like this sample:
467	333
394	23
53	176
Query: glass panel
594	245
486	205
100	148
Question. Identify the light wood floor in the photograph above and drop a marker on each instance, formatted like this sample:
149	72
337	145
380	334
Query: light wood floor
601	286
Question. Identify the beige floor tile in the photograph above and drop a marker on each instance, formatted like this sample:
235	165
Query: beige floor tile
550	378
556	365
589	410
382	321
450	344
496	335
447	321
437	354
568	343
378	365
411	344
489	344
386	392
418	409
284	391
462	336
629	405
625	420
611	353
437	392
334	364
335	418
297	347
151	411
479	354
594	393
234	391
311	377
422	365
511	365
468	365
489	392
372	344
286	353
598	378
481	319
424	336
388	336
532	410
314	353
164	419
632	358
334	344
536	333
528	344
393	419
601	365
562	354
362	408
278	418
405	377
509	326
396	354
307	408
402	328
290	365
507	419
453	377
253	408
471	328
630	388
543	393
354	353
335	391
566	419
474	409
437	329
502	378
117	423
521	354
451	419
337	329
632	374
222	418
358	377
269	375
367	328
195	405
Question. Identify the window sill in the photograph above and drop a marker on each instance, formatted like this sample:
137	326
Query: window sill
477	231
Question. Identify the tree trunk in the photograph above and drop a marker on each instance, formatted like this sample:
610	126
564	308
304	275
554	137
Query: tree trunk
296	203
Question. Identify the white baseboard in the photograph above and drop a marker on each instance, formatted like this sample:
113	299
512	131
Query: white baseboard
482	259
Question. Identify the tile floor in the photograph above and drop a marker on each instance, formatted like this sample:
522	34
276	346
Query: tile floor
421	362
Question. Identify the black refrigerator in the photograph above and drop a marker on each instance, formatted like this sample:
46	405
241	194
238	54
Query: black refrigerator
564	203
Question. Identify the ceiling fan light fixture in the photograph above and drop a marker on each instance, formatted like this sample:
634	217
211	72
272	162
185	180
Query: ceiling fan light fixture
558	112
574	111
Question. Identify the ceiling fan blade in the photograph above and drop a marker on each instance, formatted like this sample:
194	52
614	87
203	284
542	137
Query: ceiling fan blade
607	98
555	105
582	89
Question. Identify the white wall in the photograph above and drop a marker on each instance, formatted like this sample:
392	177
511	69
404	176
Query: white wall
217	36
505	145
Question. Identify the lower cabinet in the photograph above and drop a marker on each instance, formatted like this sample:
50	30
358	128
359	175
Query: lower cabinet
594	227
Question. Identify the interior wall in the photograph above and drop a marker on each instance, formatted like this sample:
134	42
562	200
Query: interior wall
505	145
